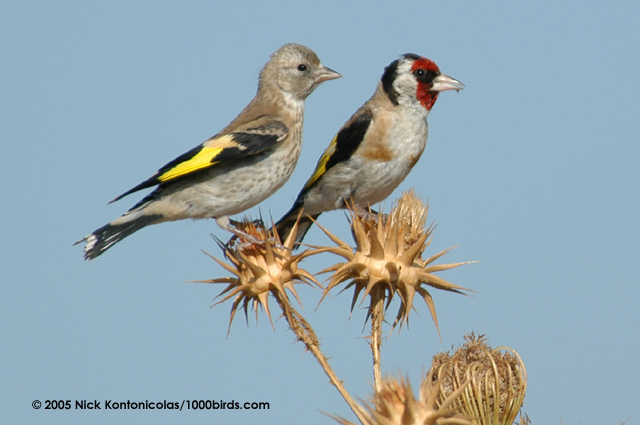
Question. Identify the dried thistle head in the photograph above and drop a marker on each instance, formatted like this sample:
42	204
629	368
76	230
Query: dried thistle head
388	258
497	386
395	404
261	269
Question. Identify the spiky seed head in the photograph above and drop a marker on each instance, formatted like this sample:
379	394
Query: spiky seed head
260	269
395	404
497	385
388	258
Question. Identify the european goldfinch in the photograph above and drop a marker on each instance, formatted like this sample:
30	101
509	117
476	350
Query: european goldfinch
237	168
377	147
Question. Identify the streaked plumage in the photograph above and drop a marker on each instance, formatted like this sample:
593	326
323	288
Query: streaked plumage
377	147
237	168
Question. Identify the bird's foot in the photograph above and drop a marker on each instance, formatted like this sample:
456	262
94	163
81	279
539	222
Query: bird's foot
243	239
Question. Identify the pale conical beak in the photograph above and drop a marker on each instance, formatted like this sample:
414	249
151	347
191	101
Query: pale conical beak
443	82
326	74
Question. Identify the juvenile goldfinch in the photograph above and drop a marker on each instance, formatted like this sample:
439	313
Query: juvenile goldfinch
377	147
237	168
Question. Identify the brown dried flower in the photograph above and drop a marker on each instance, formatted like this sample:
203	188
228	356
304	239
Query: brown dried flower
395	404
388	259
498	383
261	269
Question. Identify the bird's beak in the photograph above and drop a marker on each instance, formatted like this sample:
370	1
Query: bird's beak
443	82
326	74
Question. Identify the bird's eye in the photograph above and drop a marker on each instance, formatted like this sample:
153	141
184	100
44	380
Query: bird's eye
425	76
302	67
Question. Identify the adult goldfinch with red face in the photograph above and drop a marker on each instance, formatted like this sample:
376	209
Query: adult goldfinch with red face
377	147
237	168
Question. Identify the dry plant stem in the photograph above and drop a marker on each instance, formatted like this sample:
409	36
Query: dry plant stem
377	316
304	332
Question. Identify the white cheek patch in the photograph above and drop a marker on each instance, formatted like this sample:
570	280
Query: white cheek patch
406	86
405	83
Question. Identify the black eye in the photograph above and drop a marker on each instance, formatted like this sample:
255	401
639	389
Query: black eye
425	76
302	67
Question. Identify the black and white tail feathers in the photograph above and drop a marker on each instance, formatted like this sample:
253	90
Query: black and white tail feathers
106	236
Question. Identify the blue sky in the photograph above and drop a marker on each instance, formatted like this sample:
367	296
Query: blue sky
532	170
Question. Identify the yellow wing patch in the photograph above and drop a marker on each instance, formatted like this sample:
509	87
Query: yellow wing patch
204	158
321	168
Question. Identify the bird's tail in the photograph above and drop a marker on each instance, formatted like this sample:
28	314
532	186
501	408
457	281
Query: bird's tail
106	236
286	223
